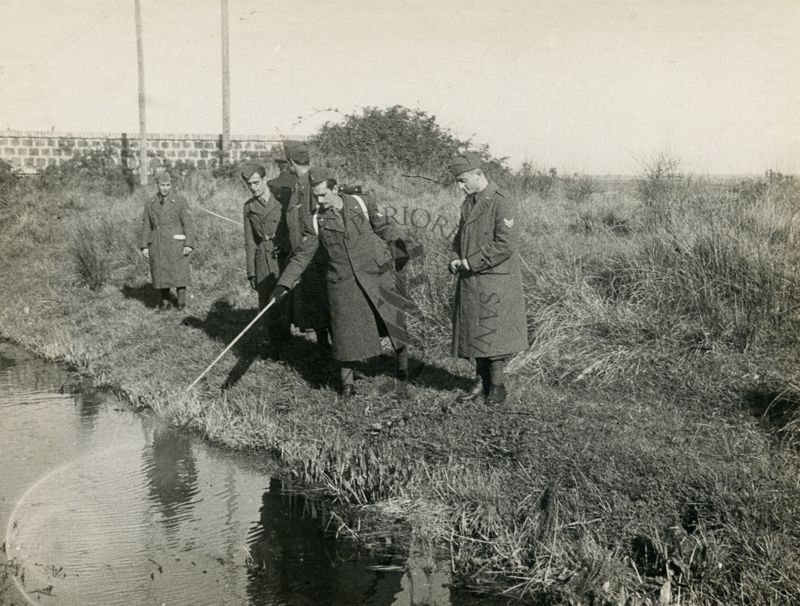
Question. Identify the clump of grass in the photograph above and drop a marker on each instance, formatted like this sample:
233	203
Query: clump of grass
90	259
92	248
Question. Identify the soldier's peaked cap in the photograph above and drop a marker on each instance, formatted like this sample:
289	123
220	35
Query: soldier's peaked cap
297	151
317	174
163	176
248	169
464	162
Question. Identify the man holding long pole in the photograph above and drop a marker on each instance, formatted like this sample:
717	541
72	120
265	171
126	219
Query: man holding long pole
354	236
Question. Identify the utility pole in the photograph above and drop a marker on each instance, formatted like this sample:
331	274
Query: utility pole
226	87
143	167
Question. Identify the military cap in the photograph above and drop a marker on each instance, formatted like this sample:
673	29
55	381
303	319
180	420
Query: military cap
248	169
297	151
319	174
464	162
281	187
162	176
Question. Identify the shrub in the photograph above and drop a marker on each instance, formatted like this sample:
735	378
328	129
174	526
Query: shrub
660	190
529	180
380	141
8	178
577	189
94	170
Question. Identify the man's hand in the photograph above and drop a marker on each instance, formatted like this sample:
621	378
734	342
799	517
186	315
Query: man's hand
455	265
146	253
187	250
465	265
278	293
252	280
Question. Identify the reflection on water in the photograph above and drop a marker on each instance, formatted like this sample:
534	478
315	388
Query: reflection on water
294	562
89	404
103	506
170	468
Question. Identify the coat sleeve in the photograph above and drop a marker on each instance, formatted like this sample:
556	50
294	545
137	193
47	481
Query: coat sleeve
187	224
403	246
504	242
249	245
457	238
145	235
301	256
387	230
282	240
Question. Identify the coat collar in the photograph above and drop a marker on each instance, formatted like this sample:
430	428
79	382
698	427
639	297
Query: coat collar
260	206
156	204
481	203
332	220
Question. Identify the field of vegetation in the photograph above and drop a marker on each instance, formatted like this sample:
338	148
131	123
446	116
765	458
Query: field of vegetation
648	453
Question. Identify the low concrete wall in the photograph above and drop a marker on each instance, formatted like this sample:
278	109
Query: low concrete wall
30	151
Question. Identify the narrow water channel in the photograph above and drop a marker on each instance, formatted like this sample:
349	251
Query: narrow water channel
99	505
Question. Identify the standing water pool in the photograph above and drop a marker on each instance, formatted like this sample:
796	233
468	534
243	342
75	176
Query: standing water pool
100	505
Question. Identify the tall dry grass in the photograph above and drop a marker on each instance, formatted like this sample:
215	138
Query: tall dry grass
661	313
628	285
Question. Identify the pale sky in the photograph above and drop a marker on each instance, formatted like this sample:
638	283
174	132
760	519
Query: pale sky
585	86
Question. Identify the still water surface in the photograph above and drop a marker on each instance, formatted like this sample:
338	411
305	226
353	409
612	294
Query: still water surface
99	505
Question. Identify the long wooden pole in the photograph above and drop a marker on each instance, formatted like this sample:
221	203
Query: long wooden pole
219	216
143	168
231	344
226	87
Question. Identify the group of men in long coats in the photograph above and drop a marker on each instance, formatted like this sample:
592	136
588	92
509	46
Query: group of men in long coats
326	260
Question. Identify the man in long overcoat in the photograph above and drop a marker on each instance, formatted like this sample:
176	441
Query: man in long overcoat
167	240
262	215
353	235
489	318
308	302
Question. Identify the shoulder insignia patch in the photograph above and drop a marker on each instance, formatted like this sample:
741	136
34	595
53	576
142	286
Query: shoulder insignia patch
509	222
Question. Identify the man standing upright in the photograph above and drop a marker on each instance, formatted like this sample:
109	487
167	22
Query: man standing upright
308	302
262	216
167	239
489	318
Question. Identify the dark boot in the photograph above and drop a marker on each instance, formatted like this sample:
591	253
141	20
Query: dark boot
497	394
476	391
401	392
323	344
278	338
164	303
181	298
497	390
348	390
481	386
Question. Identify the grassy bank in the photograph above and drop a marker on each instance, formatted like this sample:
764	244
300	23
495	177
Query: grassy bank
648	452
